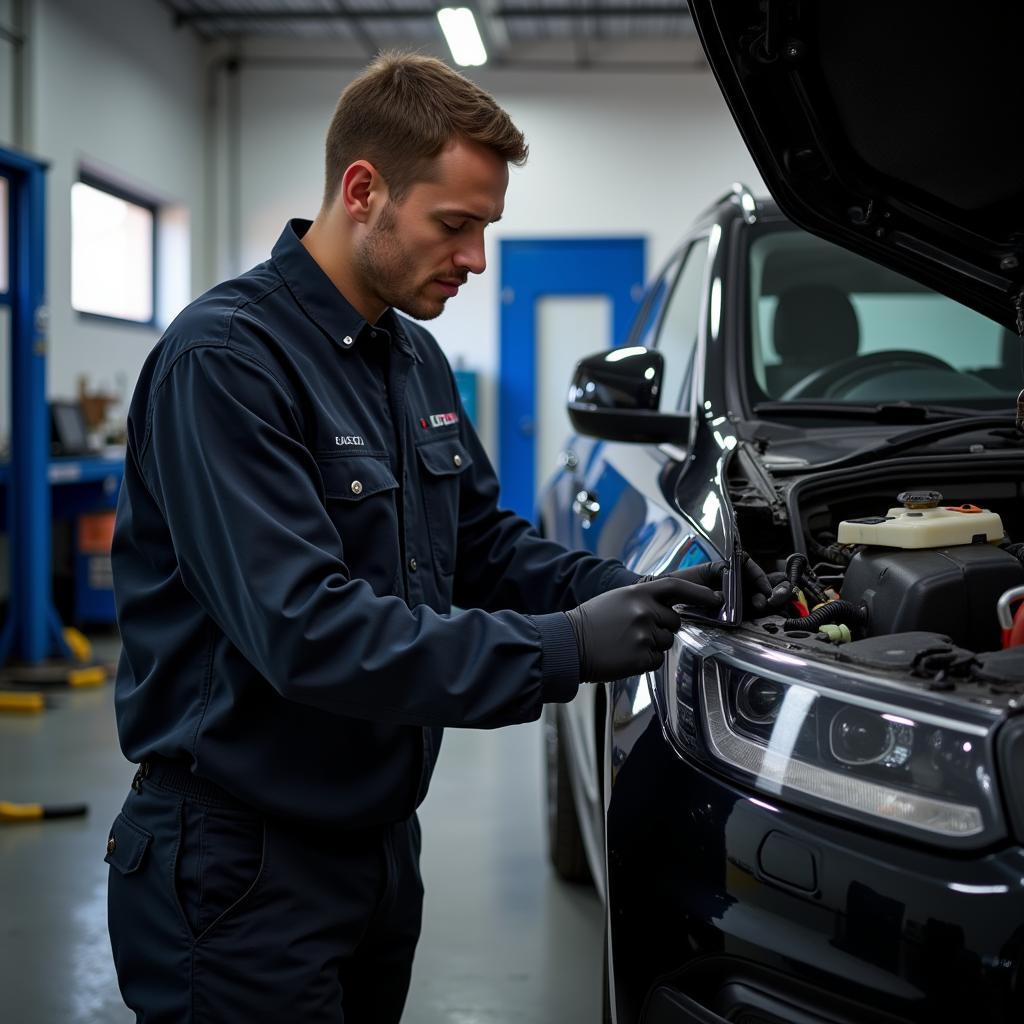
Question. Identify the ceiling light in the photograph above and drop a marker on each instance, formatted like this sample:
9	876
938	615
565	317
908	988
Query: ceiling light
462	36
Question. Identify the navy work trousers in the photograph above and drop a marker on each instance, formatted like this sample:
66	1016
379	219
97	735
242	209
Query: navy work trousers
218	915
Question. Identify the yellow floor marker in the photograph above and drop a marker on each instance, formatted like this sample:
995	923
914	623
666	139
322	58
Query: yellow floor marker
79	644
95	676
17	813
22	703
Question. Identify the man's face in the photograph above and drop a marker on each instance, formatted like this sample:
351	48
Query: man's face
418	252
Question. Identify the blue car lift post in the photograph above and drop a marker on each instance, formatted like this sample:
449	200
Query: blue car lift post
32	638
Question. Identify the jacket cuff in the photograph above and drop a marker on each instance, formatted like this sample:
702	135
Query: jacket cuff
560	657
617	576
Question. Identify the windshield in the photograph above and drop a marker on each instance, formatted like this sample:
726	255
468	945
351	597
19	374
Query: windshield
827	325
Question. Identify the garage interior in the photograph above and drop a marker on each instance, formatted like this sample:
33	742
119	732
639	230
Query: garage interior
206	117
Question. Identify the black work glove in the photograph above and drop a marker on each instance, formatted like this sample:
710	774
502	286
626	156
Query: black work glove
760	597
626	631
707	574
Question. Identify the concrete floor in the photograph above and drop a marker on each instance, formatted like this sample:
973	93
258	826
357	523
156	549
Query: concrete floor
503	941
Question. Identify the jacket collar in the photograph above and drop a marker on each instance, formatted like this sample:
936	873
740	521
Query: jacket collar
323	303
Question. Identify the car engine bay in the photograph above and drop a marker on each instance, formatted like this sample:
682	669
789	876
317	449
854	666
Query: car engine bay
922	582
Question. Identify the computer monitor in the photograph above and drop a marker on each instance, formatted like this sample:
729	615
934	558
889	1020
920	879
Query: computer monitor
68	432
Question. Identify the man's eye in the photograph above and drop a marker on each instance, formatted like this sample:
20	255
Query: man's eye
452	229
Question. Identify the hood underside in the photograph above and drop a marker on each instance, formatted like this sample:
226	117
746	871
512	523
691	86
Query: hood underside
892	129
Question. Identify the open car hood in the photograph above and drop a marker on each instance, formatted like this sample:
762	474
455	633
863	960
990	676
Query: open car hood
894	129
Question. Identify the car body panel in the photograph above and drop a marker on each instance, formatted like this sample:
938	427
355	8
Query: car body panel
646	535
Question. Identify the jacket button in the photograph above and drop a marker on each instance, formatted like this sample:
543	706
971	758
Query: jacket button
357	487
412	565
111	845
346	341
457	460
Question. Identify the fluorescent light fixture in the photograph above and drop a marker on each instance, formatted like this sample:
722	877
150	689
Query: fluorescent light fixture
462	36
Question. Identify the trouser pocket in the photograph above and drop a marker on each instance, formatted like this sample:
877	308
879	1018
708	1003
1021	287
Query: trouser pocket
219	862
148	938
126	845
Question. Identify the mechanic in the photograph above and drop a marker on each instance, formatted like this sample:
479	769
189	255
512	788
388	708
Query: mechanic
304	500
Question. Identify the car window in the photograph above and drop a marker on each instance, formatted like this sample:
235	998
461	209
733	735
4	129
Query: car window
642	331
827	323
677	334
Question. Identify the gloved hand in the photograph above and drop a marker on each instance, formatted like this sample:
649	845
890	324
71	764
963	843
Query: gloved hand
707	574
626	631
761	597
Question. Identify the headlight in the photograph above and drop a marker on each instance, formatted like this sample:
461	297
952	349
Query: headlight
832	739
758	700
857	736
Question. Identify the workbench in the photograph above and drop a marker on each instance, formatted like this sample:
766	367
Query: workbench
79	485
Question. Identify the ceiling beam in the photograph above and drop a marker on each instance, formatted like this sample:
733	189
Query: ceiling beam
697	65
297	14
358	29
586	29
493	29
594	11
397	13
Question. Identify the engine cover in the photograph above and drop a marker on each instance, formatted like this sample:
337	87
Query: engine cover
940	590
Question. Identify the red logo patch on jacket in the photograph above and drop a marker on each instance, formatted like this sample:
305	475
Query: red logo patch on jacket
439	419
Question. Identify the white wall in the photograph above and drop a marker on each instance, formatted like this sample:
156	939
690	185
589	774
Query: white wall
111	85
611	153
7	71
8	68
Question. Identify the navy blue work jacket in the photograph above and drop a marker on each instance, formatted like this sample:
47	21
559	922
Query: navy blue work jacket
303	500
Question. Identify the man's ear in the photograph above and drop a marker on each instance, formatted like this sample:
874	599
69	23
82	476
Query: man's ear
362	188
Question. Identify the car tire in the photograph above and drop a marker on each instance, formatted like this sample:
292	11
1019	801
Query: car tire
565	842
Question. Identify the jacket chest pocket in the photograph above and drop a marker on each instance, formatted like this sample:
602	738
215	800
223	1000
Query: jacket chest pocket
443	462
359	494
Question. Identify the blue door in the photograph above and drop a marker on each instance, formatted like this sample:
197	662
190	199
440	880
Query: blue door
598	273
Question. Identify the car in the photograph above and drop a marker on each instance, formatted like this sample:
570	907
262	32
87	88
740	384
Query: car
814	810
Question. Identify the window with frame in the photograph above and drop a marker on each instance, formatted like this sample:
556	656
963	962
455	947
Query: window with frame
830	325
647	320
680	325
113	253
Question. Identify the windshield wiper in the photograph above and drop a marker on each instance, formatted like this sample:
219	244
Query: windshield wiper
1004	426
883	412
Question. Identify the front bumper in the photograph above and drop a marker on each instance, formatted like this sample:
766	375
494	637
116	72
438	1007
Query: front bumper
757	912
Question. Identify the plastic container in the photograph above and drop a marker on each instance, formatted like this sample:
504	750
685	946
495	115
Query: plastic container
916	528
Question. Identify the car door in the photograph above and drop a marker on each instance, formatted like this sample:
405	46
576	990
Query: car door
623	506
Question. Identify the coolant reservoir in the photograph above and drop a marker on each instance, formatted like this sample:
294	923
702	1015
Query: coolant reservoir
922	522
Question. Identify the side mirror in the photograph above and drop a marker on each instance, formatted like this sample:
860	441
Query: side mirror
614	395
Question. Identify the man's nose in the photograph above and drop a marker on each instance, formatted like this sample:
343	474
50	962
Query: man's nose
470	257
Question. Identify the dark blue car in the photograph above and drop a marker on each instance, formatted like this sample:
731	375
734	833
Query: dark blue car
814	811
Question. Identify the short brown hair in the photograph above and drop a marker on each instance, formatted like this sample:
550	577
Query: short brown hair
402	111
